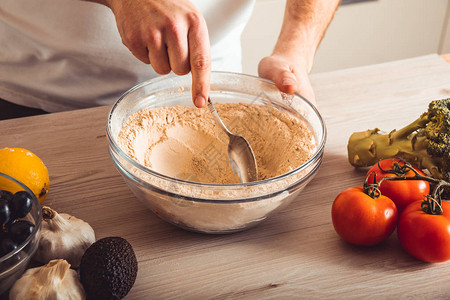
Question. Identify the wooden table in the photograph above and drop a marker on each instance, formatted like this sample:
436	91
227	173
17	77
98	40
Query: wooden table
295	253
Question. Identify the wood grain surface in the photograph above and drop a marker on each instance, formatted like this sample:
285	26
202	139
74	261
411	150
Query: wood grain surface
295	253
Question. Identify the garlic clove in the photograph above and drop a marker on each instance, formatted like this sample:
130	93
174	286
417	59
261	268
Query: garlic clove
54	280
63	236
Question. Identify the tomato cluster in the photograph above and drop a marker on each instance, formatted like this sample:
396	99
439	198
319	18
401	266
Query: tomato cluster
395	194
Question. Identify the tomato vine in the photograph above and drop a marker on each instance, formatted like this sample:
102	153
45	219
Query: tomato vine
432	203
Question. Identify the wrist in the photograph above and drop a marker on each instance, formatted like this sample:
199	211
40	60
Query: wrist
301	56
304	25
297	45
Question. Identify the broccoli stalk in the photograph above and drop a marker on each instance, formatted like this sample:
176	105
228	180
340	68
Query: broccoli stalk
424	143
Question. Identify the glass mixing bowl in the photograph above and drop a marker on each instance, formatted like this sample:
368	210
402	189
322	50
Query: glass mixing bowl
13	264
213	208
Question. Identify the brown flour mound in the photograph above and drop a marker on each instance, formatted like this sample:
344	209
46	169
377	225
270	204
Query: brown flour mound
185	142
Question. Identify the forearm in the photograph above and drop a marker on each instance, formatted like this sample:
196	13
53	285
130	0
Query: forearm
304	24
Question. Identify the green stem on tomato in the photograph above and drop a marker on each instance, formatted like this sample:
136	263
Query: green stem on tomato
431	205
372	189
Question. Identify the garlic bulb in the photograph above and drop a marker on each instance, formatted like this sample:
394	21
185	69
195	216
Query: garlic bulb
63	236
55	280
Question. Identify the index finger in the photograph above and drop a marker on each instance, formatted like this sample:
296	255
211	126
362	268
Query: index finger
200	60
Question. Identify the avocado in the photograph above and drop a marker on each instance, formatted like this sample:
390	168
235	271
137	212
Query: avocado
108	269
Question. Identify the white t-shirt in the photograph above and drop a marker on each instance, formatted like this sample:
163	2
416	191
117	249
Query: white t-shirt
67	54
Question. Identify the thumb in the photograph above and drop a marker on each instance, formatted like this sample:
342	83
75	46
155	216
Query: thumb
286	81
278	71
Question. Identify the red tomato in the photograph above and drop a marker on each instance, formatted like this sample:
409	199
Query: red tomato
401	192
425	236
362	220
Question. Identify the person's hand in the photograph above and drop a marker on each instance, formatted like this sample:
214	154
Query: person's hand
171	35
289	75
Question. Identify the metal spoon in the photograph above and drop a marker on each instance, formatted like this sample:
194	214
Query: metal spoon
240	153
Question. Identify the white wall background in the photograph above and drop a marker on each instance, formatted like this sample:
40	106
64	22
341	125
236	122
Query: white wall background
360	33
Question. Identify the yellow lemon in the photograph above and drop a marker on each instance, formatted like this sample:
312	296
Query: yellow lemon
27	168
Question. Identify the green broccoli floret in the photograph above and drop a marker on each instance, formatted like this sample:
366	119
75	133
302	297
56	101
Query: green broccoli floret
424	143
